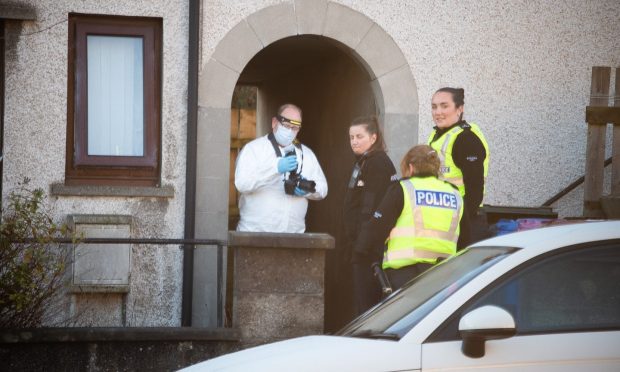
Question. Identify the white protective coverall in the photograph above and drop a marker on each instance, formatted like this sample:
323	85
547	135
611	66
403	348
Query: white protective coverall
263	205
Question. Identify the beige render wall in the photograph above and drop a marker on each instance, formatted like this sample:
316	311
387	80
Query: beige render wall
525	67
35	140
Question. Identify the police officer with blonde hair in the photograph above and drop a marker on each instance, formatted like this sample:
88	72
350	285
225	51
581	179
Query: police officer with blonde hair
418	219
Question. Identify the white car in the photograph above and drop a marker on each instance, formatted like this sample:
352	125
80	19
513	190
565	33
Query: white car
539	300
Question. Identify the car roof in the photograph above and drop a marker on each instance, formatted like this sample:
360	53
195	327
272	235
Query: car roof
551	237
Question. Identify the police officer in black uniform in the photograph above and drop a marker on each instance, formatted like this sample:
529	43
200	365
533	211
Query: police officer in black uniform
372	173
468	153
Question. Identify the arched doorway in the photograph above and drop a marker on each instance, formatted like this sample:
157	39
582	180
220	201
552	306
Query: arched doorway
336	64
332	89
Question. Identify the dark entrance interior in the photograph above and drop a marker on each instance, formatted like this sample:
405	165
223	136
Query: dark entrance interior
332	88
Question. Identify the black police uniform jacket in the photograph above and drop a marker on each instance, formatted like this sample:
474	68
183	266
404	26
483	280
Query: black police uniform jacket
365	189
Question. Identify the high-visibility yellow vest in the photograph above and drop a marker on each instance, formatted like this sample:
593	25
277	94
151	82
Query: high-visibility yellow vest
428	226
444	144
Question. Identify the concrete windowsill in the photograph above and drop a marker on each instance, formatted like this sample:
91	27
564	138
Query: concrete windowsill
60	189
18	12
98	288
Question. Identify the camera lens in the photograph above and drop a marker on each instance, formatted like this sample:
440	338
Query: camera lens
307	185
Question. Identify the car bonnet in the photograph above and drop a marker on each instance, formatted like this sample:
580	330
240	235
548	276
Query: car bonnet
319	353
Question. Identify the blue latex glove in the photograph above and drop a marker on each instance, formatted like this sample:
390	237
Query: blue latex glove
287	164
300	192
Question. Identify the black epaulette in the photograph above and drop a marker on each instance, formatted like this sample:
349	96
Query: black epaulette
465	125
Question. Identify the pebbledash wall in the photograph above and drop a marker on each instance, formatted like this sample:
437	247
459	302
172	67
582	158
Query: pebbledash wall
525	67
35	127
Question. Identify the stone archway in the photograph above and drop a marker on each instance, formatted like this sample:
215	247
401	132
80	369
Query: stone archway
389	74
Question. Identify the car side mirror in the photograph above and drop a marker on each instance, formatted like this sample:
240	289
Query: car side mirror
484	323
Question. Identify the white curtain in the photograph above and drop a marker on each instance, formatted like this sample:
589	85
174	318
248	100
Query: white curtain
115	96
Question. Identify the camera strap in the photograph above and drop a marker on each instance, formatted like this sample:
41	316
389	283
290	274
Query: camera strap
357	171
276	148
275	145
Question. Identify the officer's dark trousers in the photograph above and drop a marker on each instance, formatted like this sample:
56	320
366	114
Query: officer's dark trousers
473	228
399	277
366	288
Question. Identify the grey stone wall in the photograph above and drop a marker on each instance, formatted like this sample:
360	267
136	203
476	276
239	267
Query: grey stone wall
279	287
111	349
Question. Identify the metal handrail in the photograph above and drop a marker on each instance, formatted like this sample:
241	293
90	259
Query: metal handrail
570	187
154	241
187	245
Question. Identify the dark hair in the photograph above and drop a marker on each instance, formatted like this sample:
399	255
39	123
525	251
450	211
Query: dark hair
458	95
425	161
371	123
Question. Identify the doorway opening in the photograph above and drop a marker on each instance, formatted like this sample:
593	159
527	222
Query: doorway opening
242	131
334	62
332	88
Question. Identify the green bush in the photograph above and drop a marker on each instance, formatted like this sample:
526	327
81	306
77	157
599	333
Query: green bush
32	264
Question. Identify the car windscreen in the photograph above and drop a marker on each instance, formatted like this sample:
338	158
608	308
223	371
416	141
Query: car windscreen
396	315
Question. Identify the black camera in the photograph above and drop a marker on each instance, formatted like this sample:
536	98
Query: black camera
295	180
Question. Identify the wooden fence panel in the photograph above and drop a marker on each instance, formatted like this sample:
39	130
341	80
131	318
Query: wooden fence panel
242	131
595	149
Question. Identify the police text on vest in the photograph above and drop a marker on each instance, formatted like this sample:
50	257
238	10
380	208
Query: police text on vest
435	199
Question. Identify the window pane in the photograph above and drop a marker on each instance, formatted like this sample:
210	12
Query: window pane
115	96
571	292
576	291
114	88
402	311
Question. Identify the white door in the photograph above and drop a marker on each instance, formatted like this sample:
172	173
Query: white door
566	308
592	351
